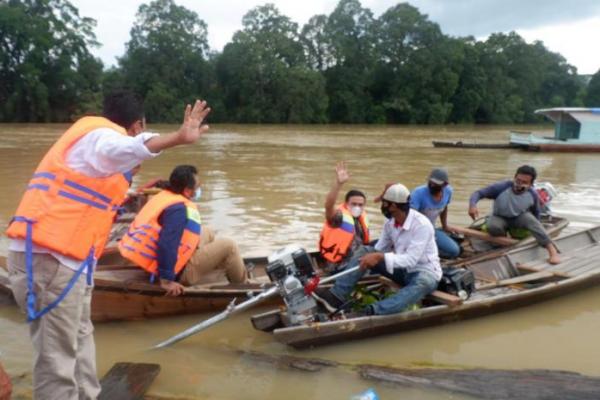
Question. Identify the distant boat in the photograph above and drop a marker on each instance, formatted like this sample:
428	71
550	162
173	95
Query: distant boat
575	130
467	145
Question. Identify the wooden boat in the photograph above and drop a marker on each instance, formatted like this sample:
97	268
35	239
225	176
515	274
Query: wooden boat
575	130
123	291
466	145
518	278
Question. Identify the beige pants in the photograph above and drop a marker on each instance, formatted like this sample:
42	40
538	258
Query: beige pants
64	360
214	258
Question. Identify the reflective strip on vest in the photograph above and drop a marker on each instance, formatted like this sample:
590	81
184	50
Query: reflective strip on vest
140	244
72	196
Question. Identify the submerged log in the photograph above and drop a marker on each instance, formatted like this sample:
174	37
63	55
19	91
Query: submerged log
289	362
128	381
488	384
492	384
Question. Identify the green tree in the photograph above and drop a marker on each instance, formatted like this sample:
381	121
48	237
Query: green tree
165	59
46	70
263	72
592	98
419	68
348	35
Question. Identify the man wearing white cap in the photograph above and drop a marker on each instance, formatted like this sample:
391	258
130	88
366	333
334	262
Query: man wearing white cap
405	253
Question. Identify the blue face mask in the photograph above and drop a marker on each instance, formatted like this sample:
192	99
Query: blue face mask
197	195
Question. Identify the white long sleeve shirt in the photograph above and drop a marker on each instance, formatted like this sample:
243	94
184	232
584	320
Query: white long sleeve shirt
410	246
100	153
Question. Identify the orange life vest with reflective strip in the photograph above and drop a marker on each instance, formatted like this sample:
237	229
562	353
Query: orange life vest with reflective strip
70	213
336	241
140	242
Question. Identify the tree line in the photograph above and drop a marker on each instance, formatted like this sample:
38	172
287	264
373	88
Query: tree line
345	67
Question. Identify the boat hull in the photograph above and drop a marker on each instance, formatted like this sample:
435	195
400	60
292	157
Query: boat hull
579	270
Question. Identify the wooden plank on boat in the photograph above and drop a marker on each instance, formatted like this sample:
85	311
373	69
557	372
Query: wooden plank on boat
535	276
128	381
499	240
530	269
445	298
436	296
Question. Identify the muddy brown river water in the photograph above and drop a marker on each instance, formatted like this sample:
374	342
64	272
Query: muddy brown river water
265	186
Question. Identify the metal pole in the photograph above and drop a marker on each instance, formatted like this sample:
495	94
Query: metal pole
234	309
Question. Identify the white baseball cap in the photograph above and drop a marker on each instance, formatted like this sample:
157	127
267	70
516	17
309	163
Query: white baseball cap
395	193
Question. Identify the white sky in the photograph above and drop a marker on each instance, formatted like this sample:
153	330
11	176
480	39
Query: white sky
569	27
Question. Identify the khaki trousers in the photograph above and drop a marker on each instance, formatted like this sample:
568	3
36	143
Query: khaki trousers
213	258
64	360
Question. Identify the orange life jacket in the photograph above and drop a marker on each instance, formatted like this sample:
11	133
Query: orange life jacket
335	242
69	212
139	244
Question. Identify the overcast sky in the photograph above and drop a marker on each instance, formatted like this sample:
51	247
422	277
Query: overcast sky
570	27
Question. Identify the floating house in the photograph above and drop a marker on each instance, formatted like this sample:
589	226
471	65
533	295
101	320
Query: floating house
575	130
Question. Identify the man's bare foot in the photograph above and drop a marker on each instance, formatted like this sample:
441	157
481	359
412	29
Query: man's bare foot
553	253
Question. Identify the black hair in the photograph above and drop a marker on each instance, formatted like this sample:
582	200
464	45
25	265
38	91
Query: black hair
527	170
182	177
354	192
123	107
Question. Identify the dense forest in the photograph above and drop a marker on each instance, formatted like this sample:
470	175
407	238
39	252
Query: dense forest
345	67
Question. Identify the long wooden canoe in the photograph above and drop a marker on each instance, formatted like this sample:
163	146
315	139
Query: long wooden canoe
518	278
123	291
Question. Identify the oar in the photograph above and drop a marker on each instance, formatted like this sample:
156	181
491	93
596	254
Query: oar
234	309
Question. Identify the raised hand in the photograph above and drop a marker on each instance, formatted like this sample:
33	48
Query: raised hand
191	129
341	173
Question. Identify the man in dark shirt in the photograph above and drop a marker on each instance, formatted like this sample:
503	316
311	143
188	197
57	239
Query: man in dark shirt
516	204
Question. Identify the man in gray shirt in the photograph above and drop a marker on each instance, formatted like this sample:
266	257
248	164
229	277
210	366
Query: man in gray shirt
516	205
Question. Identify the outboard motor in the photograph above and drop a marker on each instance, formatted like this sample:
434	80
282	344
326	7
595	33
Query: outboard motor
546	192
291	269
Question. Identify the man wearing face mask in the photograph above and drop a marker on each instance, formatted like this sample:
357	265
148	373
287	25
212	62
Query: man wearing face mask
406	253
516	204
166	238
432	201
61	226
346	227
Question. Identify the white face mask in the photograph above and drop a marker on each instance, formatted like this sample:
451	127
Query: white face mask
356	211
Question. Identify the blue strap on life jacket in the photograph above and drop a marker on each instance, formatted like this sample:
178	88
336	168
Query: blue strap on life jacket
32	314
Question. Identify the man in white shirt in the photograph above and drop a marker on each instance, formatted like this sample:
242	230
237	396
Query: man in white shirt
405	253
67	209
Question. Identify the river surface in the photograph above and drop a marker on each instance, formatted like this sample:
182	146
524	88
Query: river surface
265	186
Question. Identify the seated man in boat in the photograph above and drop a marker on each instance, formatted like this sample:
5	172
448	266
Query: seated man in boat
516	204
346	227
406	253
166	238
432	201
